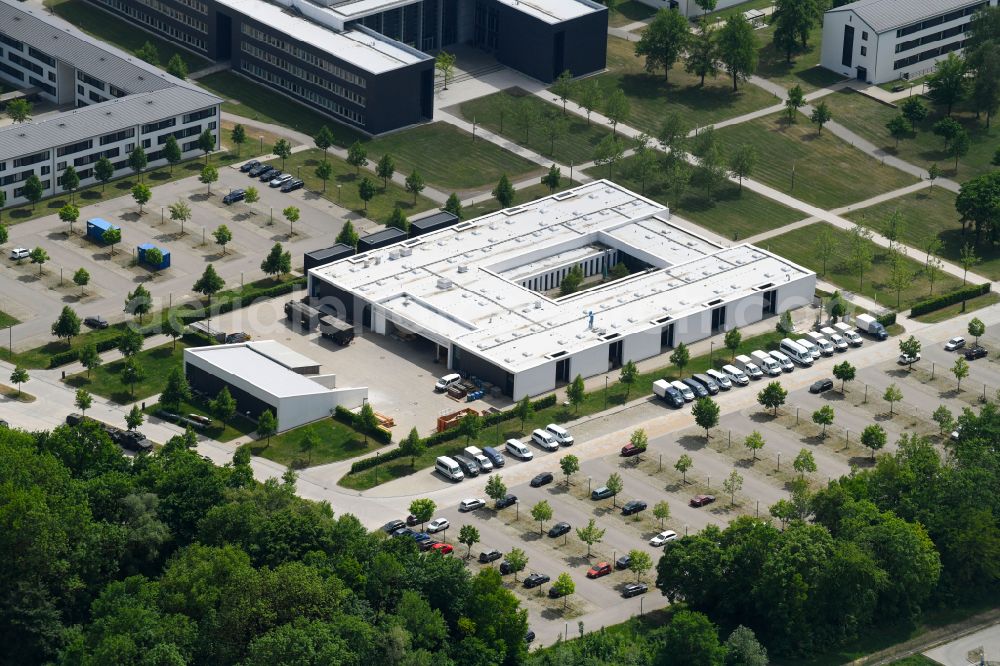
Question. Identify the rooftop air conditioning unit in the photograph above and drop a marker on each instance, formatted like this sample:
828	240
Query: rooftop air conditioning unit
444	283
394	255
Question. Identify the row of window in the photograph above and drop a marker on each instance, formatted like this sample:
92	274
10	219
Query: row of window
89	80
115	137
929	54
93	157
198	115
24	62
301	54
304	74
38	83
156	127
23	176
157	24
176	14
19	192
940	20
305	93
41	57
75	148
28	160
934	37
11	42
11	71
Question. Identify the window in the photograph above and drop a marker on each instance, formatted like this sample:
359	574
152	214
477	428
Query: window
864	50
864	35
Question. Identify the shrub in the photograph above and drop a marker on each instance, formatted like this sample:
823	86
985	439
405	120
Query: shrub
887	319
944	300
348	417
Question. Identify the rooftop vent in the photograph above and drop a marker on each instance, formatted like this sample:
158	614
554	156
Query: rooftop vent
463	268
444	283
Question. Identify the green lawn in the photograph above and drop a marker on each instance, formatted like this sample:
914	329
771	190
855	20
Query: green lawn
257	102
868	118
977	303
7	320
106	381
828	172
238	426
577	146
123	34
931	213
651	97
447	157
729	213
521	196
629	12
347	181
97	193
799	246
594	401
803	70
333	441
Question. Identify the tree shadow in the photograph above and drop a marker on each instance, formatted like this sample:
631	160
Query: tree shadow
692	442
861	461
762	417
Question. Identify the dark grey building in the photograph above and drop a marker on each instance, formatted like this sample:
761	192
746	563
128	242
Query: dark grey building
365	62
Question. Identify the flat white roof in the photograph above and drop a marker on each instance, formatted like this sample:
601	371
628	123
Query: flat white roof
551	11
282	355
253	367
453	282
372	53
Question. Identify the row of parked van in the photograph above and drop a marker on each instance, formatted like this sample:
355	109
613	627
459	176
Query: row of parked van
474	461
790	353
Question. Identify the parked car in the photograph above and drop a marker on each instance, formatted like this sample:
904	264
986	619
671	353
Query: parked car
517	449
722	380
634	590
263	172
505	568
280	180
545	439
257	170
541	479
437	525
561	434
598	570
736	375
491	555
471	504
420	536
412	520
249	165
96	321
972	353
509	500
555	592
623	562
403	532
292	185
632	507
268	176
234	196
696	387
529	637
821	385
631	450
74	419
906	359
601	493
20	253
443	548
536	579
446	382
393	525
558	530
495	456
133	440
662	538
955	343
701	500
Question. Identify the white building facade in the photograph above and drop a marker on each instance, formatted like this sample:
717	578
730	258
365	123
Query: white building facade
878	41
485	293
109	103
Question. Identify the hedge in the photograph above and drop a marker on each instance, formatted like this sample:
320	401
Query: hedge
347	417
439	437
887	319
944	300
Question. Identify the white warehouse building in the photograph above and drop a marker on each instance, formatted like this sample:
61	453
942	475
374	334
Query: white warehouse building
106	103
878	41
484	295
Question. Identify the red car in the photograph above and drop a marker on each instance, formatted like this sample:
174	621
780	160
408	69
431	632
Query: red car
701	500
443	548
630	450
598	570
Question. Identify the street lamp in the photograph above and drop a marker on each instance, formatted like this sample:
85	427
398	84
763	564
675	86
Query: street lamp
261	137
339	187
711	353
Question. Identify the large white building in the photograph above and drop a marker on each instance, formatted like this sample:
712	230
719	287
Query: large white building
484	294
878	41
266	375
107	104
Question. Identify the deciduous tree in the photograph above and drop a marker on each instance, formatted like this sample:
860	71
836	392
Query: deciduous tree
83	401
576	392
738	48
772	396
67	325
663	41
873	437
706	414
680	357
541	512
823	417
590	534
804	462
683	464
755	442
616	485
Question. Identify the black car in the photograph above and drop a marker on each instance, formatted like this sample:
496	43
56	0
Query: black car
132	440
505	568
509	500
488	556
249	165
635	506
559	529
96	321
392	526
699	390
555	593
673	397
292	185
972	353
529	637
634	590
821	385
623	562
402	532
269	175
542	479
536	579
74	419
426	545
259	169
412	520
234	196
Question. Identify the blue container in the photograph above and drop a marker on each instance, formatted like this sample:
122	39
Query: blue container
149	246
96	228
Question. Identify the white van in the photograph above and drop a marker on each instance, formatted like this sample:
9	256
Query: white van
447	382
724	382
684	389
749	367
766	362
448	468
560	433
796	352
825	346
517	449
785	362
811	347
839	343
544	439
849	333
736	375
477	454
